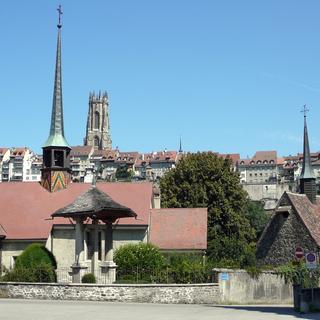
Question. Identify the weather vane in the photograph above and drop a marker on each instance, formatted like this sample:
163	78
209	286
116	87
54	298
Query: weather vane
305	110
60	14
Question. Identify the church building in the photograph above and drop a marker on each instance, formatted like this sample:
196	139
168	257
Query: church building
80	223
295	222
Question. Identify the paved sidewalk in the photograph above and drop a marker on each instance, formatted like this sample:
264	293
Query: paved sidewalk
12	309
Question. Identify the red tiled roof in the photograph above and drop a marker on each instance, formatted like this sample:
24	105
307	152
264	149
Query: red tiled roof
77	151
261	157
280	161
3	151
265	155
235	157
25	207
18	152
181	228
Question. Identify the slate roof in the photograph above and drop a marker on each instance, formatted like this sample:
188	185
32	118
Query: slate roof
181	228
308	212
95	203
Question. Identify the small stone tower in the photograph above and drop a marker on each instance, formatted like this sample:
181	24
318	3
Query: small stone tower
98	127
55	173
307	178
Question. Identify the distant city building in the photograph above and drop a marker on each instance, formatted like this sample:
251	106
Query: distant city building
98	126
152	166
261	168
19	164
4	164
80	162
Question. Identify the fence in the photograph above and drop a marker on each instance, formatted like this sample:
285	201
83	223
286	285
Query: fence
164	275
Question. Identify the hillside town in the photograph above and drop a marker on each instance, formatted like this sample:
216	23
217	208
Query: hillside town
91	222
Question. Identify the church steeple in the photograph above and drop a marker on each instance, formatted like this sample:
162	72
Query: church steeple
55	173
56	137
180	146
307	178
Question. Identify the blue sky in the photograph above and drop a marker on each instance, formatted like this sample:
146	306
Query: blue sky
228	76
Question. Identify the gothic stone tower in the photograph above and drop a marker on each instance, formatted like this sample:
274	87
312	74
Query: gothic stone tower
98	127
55	173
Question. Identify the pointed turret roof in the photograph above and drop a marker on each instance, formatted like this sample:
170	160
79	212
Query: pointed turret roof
307	172
94	203
56	137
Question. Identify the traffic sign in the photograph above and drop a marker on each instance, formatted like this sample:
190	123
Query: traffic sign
311	260
299	253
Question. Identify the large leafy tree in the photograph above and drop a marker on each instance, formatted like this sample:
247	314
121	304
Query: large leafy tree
205	180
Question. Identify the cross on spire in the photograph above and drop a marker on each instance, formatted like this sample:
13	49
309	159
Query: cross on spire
60	14
305	110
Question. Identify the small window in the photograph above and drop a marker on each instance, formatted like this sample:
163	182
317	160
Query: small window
96	120
96	142
58	158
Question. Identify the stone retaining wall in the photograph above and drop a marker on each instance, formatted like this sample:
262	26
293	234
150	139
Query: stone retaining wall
237	286
171	293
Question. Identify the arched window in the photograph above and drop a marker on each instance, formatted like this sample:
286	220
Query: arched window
96	142
96	120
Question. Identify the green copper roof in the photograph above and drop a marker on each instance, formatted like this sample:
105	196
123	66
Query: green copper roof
56	137
307	172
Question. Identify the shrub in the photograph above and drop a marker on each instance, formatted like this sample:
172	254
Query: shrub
39	273
88	278
298	273
35	254
143	261
34	264
188	268
141	255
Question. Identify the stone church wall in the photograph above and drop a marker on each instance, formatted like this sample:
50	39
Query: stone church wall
279	241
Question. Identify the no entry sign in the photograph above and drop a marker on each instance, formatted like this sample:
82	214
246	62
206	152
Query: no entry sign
299	253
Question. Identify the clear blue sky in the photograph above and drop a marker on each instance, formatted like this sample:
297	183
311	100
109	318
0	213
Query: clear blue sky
228	76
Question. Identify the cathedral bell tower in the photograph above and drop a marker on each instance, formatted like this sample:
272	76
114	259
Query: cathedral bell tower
55	173
98	127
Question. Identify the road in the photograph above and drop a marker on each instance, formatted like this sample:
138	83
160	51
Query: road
13	309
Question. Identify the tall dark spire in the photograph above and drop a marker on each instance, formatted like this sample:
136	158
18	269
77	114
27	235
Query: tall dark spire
56	137
180	146
307	171
55	172
307	179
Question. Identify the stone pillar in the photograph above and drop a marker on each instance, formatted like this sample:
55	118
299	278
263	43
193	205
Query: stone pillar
94	261
109	242
78	268
108	267
79	241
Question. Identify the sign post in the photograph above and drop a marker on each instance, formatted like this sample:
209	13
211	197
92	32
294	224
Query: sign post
311	260
299	254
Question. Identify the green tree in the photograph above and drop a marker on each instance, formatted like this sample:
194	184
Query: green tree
124	173
257	216
205	180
